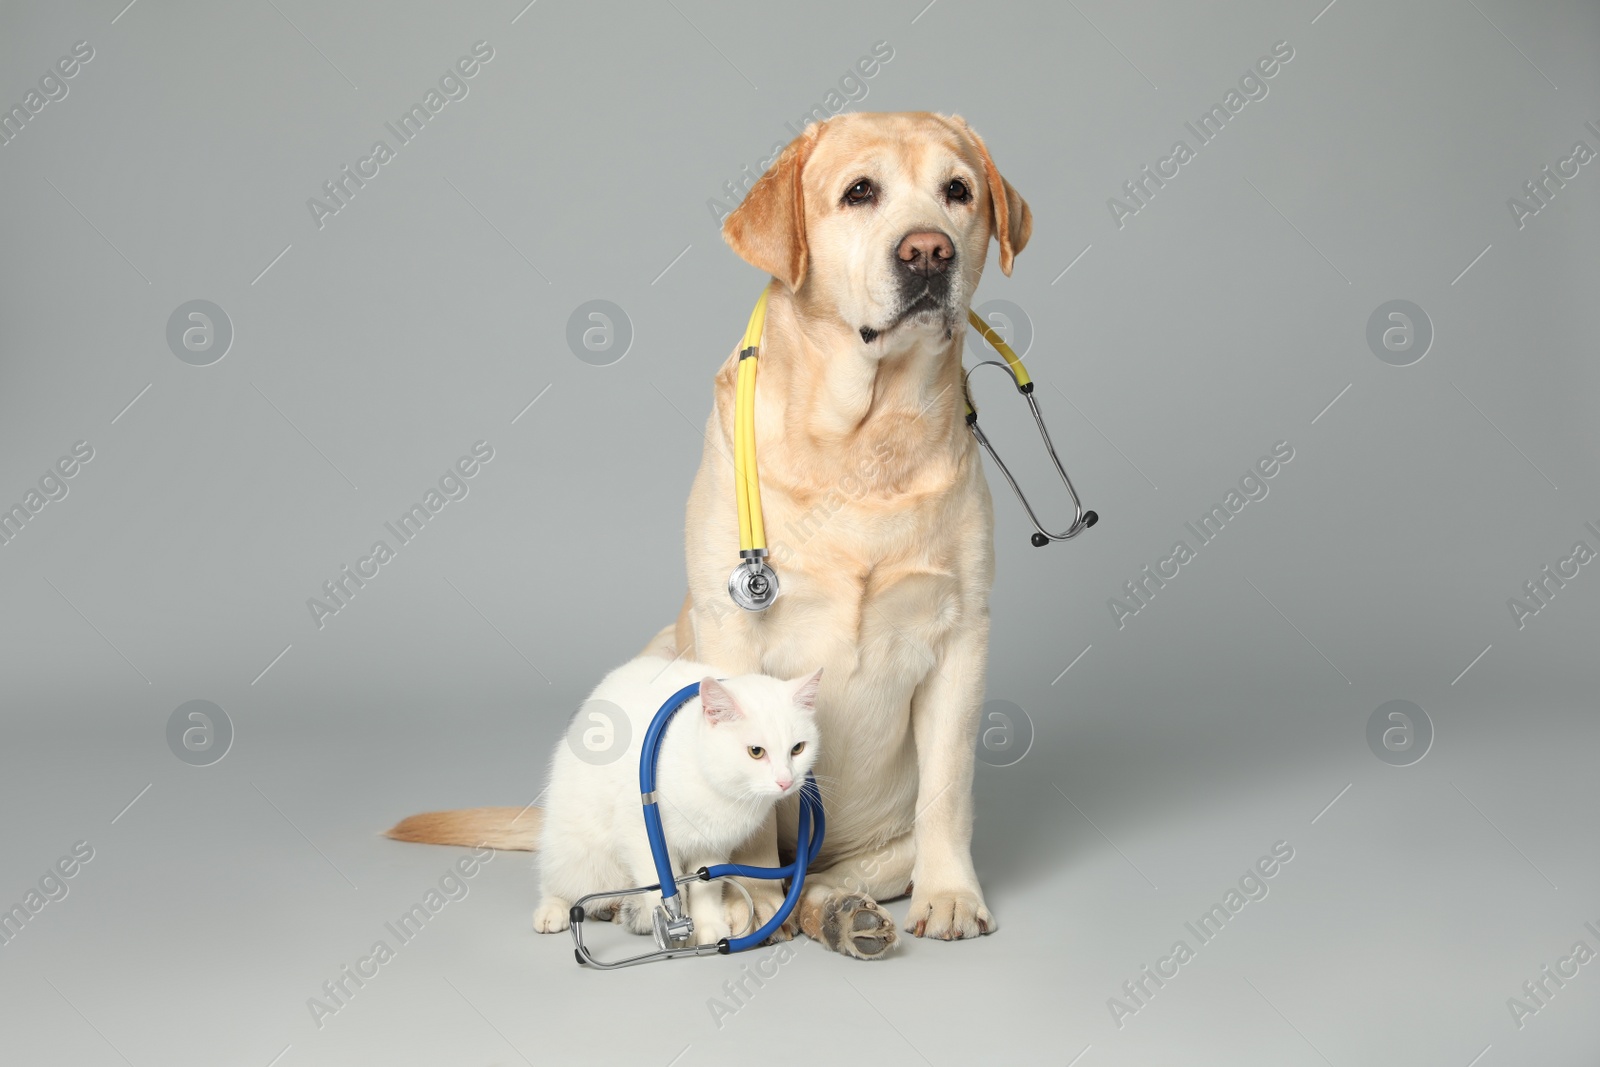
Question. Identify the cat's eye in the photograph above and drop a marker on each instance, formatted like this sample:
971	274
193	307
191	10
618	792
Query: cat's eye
797	749
756	751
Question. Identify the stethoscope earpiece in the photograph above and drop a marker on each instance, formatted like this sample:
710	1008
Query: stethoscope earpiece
1040	540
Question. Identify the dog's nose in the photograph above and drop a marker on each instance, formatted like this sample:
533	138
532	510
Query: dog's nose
927	253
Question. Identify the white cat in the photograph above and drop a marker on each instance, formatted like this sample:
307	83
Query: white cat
727	757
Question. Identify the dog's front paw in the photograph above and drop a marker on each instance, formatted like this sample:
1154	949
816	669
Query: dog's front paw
949	915
851	923
768	900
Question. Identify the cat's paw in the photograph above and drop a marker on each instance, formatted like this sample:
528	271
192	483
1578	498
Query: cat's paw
768	901
551	916
635	915
949	915
851	923
709	929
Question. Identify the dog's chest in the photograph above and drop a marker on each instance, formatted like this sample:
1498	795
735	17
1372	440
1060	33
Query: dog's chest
872	587
878	625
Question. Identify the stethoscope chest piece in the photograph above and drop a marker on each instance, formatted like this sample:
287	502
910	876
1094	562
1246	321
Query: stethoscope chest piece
672	931
753	585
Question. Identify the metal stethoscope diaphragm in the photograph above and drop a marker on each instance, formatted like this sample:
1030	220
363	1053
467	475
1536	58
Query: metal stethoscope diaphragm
753	584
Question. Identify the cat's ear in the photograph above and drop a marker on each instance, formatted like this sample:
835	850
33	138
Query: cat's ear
717	703
805	694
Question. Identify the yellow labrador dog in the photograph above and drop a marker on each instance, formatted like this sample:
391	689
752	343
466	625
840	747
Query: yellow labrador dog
875	228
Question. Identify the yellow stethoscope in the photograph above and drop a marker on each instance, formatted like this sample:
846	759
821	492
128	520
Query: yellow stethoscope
753	585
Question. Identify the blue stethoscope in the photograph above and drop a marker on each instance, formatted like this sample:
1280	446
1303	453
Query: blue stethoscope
673	926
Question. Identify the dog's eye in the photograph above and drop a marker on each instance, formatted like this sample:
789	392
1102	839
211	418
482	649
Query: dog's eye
957	192
756	751
860	192
797	749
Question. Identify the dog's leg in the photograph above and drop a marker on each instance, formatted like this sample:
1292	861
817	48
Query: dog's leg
945	712
840	906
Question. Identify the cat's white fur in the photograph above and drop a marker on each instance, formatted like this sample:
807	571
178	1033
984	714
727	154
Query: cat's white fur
713	794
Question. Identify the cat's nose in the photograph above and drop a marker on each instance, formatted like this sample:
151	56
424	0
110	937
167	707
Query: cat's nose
785	783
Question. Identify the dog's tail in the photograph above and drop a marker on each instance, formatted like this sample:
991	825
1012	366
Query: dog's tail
516	829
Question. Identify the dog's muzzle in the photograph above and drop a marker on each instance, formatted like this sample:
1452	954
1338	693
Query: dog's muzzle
922	270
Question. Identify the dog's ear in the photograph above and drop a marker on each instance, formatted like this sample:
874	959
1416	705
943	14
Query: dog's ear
1013	222
768	228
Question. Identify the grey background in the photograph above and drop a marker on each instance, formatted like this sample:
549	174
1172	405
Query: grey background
371	353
